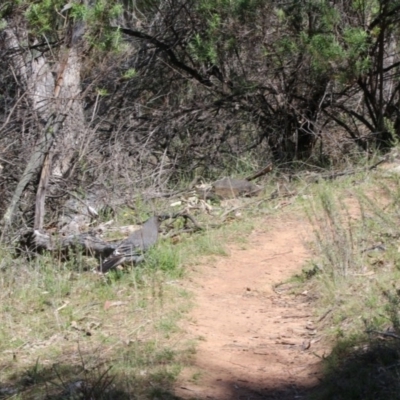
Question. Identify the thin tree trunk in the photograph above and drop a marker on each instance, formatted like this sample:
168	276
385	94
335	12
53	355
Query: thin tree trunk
32	167
41	193
56	101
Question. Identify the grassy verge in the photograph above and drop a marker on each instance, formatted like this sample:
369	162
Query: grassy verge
68	333
64	330
355	278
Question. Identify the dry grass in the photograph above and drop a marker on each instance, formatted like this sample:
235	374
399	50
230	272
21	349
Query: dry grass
61	326
67	332
355	278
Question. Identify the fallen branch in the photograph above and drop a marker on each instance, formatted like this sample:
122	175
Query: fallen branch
323	316
87	242
262	172
387	334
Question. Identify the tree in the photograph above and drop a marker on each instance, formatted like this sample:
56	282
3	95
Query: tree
152	90
44	44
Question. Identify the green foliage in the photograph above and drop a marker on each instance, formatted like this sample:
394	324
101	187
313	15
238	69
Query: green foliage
3	24
102	92
44	17
6	9
325	50
165	258
48	18
203	49
357	42
342	53
98	19
213	44
78	12
130	73
144	6
236	8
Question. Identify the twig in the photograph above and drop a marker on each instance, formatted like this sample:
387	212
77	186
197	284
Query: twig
277	255
388	334
194	222
325	315
183	215
378	163
262	172
179	232
297	316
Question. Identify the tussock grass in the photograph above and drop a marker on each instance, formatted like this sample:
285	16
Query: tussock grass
64	328
356	279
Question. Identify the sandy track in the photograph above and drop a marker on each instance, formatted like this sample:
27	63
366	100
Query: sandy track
254	342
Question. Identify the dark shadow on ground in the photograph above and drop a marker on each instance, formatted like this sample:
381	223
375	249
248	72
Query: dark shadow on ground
249	392
368	371
64	382
81	381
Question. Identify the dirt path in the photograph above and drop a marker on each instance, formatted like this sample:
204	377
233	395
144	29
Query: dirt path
255	343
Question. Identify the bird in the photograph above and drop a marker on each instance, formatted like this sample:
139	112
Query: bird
133	248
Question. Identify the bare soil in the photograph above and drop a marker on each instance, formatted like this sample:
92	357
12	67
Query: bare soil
256	339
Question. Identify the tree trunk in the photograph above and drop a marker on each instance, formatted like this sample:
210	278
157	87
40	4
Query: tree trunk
68	87
55	101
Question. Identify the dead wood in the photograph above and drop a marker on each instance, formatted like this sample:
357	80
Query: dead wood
262	172
190	217
87	242
228	188
41	193
35	161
